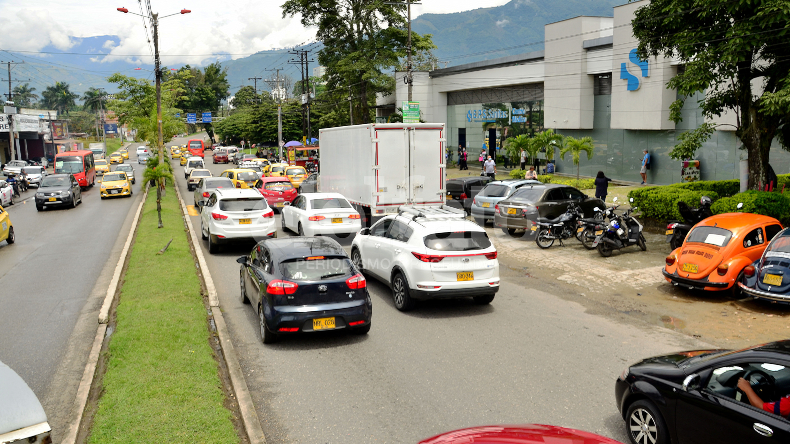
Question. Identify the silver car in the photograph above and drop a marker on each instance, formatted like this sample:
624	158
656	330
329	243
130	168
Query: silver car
14	167
484	204
142	157
34	174
206	186
128	169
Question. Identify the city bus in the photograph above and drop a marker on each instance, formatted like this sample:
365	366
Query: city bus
195	147
79	163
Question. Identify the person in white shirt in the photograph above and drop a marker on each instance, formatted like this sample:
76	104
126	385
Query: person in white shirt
523	159
490	168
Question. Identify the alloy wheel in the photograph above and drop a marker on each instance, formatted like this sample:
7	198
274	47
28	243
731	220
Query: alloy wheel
642	427
397	291
356	258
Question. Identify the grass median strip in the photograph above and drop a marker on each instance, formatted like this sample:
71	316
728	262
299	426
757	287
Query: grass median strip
161	383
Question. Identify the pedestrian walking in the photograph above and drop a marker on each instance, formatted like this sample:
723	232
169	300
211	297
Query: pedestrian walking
523	159
506	160
460	150
490	168
645	167
601	186
464	157
482	160
531	174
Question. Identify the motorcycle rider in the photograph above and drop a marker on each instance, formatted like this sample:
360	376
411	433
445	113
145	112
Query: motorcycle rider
12	180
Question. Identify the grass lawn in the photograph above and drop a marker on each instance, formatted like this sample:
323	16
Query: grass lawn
113	145
162	383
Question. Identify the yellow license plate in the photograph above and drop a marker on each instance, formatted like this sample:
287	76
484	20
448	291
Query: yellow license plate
511	211
690	268
669	232
772	279
465	275
52	199
486	205
337	220
599	232
245	221
580	229
449	197
534	228
278	204
323	323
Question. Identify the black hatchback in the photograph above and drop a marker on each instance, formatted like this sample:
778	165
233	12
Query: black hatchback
304	284
695	397
520	209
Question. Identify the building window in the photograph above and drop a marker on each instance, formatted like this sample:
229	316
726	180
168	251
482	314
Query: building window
530	92
603	85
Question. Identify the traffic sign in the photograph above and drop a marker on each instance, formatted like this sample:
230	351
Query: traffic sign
411	112
207	117
178	114
191	118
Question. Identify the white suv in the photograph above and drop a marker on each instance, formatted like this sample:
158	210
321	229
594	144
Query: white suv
428	253
234	213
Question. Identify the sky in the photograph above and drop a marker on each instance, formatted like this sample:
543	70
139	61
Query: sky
236	28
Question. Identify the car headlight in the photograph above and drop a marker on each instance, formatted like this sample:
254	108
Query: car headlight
103	186
39	194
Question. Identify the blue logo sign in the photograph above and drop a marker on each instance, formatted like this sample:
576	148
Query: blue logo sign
178	114
633	81
191	118
110	128
486	115
207	117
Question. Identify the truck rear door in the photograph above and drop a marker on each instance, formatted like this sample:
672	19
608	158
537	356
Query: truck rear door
427	165
391	174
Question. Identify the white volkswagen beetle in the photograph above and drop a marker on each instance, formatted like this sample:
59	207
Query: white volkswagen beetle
314	214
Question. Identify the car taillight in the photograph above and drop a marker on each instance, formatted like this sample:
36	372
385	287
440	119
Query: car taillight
218	216
288	329
315	218
432	258
474	201
463	196
281	287
496	208
491	255
238	184
354	216
205	194
749	271
269	214
721	270
671	260
356	282
355	323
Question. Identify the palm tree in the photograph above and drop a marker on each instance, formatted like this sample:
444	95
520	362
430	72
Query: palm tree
548	140
24	96
59	97
575	147
158	175
92	100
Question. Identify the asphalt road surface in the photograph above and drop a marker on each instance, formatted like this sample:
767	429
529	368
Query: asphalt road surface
52	282
529	357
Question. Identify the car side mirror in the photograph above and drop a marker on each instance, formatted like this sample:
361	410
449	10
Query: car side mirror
365	231
244	260
691	382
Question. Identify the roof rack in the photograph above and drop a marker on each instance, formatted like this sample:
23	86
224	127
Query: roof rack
431	212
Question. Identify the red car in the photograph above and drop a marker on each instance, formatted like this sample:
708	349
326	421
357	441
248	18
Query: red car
277	191
220	156
518	434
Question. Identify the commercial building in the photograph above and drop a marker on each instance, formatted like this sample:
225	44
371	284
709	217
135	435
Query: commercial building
32	134
586	82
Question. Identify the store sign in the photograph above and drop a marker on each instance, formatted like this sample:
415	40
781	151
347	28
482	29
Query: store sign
411	112
4	125
690	171
486	115
22	123
633	81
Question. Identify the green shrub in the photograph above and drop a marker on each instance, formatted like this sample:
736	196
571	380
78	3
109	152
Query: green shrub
517	174
662	202
724	188
759	202
582	184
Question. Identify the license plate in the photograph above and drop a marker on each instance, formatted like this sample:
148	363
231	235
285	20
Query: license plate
249	184
114	191
690	268
465	275
278	204
534	228
245	221
511	211
337	220
323	323
599	232
772	279
52	199
449	197
669	232
486	204
580	229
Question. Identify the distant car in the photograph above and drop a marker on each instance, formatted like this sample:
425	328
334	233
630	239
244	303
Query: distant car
142	157
175	152
58	189
296	174
6	193
22	418
238	159
115	184
235	214
128	169
278	191
263	163
34	174
220	155
6	234
143	149
205	185
232	152
14	167
484	204
183	160
191	164
717	251
314	214
309	184
765	277
462	191
241	178
278	169
693	396
103	166
252	166
304	285
116	158
124	153
519	434
195	176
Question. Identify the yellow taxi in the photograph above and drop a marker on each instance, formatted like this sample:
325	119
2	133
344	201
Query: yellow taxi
263	163
124	153
183	160
175	152
115	184
296	174
6	227
116	158
278	169
102	166
241	178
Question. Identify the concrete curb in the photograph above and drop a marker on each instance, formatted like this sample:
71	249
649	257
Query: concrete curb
249	416
83	391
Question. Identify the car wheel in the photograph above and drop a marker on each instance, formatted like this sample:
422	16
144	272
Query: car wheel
243	289
213	247
267	336
361	330
676	242
543	240
604	249
11	237
641	242
301	230
644	424
282	222
735	290
356	258
483	300
510	231
588	238
73	201
400	293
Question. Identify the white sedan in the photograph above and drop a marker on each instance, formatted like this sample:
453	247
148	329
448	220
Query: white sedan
6	193
314	214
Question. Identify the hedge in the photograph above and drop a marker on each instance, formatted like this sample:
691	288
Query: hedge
582	184
662	202
759	202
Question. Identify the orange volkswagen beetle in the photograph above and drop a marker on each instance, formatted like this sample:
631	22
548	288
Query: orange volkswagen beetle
717	250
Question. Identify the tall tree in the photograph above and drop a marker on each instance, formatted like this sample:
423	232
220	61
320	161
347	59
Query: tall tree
734	52
246	97
24	95
59	97
576	147
93	100
363	39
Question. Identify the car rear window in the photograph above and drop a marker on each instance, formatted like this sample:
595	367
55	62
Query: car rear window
277	169
329	202
316	269
201	173
781	244
195	164
247	175
218	183
54	181
278	186
710	235
495	191
294	171
243	204
34	170
457	241
528	195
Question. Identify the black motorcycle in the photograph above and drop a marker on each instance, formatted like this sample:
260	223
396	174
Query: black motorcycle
621	232
588	228
677	231
561	228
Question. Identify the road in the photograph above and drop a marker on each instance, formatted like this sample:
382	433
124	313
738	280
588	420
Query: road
529	357
53	280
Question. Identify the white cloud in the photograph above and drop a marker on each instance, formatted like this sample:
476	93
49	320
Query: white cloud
502	22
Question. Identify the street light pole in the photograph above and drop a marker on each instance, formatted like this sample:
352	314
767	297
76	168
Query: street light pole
158	77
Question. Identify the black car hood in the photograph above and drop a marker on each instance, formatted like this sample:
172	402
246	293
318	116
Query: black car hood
670	364
54	189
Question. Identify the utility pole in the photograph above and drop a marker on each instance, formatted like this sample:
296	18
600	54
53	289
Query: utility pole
408	79
350	107
276	89
158	76
255	79
303	69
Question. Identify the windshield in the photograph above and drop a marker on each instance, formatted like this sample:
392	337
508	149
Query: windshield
114	177
34	170
529	195
457	241
329	202
780	244
246	176
278	186
218	183
316	269
710	235
124	168
243	204
495	191
195	164
68	164
54	182
295	171
195	145
277	169
100	162
201	173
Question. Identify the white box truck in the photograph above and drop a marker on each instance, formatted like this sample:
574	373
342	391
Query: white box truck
99	150
379	167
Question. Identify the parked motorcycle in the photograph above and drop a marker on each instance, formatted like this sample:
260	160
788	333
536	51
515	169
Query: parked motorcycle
561	228
586	232
621	232
677	231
